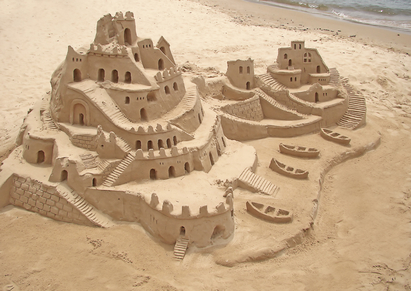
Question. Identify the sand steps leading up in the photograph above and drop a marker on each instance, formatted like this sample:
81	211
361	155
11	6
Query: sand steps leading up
123	145
92	214
334	77
113	176
102	165
275	103
270	81
89	161
180	248
355	115
257	183
48	121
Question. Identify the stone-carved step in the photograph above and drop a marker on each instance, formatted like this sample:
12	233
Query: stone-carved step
102	165
180	248
275	103
48	121
356	111
255	183
122	144
334	77
89	161
274	84
84	207
112	178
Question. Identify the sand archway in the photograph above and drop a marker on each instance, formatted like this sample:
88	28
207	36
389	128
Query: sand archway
160	64
40	157
76	75
101	75
127	36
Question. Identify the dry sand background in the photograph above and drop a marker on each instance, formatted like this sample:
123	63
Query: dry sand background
362	233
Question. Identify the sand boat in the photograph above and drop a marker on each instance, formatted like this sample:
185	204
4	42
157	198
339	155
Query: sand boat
299	151
269	213
287	170
334	136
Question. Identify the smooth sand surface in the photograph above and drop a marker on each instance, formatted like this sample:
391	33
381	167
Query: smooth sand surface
361	238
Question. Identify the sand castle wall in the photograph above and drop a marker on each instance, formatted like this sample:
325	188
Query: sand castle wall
249	109
162	220
232	93
46	200
318	93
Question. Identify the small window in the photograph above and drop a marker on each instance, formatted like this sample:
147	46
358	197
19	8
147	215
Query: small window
295	79
114	76
175	86
101	75
167	90
291	79
240	69
248	70
285	56
127	78
127	101
295	46
136	57
299	46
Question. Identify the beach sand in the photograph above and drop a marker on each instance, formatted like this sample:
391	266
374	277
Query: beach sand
361	238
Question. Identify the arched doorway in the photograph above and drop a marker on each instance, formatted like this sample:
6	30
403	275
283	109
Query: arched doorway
167	90
64	175
290	62
168	143
138	145
160	144
182	231
94	182
175	140
187	167
77	75
114	76
218	231
150	145
101	75
247	85
143	114
316	97
127	36
127	78
160	64
211	158
79	114
175	86
136	57
153	174
318	69
171	172
40	157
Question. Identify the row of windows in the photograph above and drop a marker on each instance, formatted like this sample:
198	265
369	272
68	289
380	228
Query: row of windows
114	76
291	79
160	143
146	45
240	69
167	89
76	60
171	171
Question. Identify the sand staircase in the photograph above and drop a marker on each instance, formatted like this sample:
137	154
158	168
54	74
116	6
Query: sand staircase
48	121
100	98
123	145
89	161
274	84
180	248
113	176
275	103
92	214
255	183
334	77
354	117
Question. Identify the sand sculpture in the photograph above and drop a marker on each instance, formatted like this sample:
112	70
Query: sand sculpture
121	120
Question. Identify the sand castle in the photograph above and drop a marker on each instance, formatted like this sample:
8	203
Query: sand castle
121	120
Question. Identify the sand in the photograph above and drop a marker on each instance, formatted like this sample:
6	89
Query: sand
361	238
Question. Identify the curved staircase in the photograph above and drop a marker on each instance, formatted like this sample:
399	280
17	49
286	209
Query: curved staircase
355	115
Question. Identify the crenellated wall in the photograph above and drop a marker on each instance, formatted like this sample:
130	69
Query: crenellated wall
163	220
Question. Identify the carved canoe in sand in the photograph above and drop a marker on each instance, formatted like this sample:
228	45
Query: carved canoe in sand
335	136
287	170
269	213
299	151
